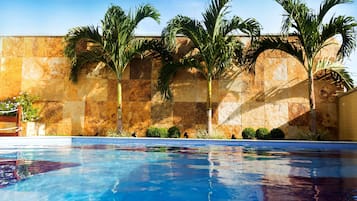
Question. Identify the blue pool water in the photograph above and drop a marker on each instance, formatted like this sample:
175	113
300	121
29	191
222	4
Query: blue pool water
177	170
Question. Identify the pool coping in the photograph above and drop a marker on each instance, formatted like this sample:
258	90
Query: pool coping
69	140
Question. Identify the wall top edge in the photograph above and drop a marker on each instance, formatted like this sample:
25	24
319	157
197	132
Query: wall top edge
150	36
354	90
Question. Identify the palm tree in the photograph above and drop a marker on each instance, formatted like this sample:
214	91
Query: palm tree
214	46
114	46
311	36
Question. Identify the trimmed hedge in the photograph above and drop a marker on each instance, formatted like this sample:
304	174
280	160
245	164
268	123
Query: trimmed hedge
156	132
277	133
174	132
248	133
262	134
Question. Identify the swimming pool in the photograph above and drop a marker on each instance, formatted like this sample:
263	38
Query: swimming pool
175	170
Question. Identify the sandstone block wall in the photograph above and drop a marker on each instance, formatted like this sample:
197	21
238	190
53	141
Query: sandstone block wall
347	112
275	96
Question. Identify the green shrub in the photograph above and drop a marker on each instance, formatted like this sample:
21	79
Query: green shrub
277	133
156	132
29	112
115	133
248	133
262	133
216	134
174	132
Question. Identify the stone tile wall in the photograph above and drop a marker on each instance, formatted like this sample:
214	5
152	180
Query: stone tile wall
275	96
347	112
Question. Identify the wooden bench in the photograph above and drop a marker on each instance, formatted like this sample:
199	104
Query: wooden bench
16	120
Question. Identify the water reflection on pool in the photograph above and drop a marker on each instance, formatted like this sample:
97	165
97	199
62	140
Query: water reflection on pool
140	170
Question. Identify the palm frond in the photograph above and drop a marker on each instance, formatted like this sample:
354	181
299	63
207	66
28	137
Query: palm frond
85	57
274	43
167	72
186	26
79	57
344	26
77	34
335	71
249	26
295	16
213	16
145	11
327	5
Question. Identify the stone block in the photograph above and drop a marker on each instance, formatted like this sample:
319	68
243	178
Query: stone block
35	46
94	89
297	132
201	94
13	47
113	90
260	69
296	71
327	115
185	74
254	93
162	113
100	116
276	91
137	117
298	92
183	46
75	112
51	112
138	90
55	47
325	92
253	114
42	68
95	71
44	46
184	113
71	91
140	69
10	76
233	85
276	115
185	91
156	66
230	113
299	114
230	97
275	69
201	113
47	90
58	129
230	130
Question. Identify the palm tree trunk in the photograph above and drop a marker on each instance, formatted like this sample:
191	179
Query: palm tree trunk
119	120
313	117
209	105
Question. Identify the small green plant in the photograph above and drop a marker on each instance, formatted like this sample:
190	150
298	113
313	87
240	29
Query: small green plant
156	132
174	132
6	106
248	133
277	133
319	136
29	112
203	134
115	133
262	134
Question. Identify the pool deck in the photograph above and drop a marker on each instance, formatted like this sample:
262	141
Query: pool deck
69	140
